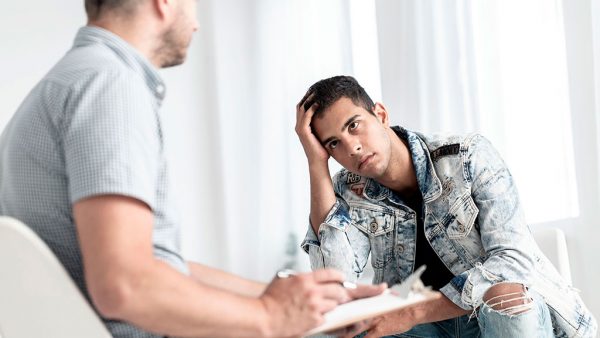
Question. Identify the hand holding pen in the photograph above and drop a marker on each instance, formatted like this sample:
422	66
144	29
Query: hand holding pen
295	302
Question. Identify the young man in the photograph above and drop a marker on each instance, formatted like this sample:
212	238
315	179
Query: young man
83	165
448	202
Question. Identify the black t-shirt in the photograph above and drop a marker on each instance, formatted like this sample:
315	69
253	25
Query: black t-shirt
437	274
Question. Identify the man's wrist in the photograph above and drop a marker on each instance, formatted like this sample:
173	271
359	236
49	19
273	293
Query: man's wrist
318	166
263	321
417	315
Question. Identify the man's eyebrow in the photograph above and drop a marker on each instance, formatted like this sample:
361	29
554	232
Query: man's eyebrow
348	122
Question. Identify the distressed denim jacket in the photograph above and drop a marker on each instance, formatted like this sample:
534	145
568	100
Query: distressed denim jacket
473	220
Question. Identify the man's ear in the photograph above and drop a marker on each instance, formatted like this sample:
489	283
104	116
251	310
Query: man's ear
381	114
164	8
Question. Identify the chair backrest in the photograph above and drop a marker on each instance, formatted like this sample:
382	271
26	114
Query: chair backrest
37	296
553	244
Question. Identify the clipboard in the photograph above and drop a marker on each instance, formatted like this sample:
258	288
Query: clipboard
410	291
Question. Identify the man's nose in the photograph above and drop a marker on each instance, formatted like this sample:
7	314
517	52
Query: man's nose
355	149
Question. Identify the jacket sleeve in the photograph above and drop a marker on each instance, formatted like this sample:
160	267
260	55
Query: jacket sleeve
340	244
504	234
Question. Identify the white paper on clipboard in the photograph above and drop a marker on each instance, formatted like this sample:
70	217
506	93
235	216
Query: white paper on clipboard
409	292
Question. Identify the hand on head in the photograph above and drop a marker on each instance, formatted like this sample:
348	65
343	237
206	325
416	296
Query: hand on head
305	110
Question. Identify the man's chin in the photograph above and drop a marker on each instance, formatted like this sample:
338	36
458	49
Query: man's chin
173	63
372	173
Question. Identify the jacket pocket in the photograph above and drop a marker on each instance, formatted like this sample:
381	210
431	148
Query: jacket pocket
460	219
378	224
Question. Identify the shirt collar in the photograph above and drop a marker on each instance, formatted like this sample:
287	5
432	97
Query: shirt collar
429	184
88	35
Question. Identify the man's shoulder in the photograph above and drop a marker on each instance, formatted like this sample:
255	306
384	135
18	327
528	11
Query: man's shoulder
443	144
82	66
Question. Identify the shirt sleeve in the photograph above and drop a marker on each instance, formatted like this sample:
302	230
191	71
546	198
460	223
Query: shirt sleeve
504	234
111	138
341	246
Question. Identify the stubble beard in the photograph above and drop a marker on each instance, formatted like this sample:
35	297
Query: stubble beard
172	49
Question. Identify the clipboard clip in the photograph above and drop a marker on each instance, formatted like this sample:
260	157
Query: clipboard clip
412	284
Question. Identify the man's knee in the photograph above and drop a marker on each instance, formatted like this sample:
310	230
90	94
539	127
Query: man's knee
508	298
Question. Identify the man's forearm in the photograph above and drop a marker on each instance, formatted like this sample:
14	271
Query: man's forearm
225	281
160	299
322	196
437	310
433	310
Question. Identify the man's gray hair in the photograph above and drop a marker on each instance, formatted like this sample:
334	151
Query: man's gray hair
94	8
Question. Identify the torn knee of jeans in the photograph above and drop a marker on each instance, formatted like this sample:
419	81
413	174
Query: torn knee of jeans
508	298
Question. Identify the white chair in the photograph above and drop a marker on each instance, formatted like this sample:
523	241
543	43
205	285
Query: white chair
553	244
37	296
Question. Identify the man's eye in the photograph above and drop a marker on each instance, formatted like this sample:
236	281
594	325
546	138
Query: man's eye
332	144
353	125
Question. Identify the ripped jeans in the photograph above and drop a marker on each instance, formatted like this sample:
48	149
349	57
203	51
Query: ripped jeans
531	320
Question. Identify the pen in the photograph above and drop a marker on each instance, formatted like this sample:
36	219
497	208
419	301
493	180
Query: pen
285	273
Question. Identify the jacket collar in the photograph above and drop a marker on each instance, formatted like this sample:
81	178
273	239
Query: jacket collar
427	179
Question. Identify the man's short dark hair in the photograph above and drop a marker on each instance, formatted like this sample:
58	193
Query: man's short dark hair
327	91
94	8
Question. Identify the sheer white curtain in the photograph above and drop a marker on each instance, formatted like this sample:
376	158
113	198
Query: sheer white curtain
426	64
495	67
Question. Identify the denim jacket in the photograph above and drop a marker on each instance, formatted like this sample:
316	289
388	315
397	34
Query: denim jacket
473	220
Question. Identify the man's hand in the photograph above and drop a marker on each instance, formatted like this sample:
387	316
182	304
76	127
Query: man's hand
366	290
297	304
315	152
362	291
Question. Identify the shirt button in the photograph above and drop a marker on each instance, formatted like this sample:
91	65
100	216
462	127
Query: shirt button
400	248
374	226
461	227
160	89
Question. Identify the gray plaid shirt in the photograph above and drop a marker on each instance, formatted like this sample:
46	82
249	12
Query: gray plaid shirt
90	127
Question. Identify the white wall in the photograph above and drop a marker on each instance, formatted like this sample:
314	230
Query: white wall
583	232
33	36
191	122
